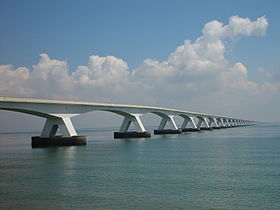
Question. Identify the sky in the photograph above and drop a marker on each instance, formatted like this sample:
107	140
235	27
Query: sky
219	57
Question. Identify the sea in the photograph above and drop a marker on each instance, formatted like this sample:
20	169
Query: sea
234	168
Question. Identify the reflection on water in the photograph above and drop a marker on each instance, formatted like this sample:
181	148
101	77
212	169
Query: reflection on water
236	168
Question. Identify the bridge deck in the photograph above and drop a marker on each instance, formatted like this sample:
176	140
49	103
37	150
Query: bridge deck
105	105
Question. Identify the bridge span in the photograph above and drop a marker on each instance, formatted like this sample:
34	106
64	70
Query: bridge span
58	114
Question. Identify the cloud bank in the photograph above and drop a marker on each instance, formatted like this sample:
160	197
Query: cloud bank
196	76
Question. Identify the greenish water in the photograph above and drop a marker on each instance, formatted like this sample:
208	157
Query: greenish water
236	168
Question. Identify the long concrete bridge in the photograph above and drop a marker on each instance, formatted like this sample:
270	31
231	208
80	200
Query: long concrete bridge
58	114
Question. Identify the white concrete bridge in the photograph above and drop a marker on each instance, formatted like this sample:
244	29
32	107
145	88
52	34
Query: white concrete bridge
58	114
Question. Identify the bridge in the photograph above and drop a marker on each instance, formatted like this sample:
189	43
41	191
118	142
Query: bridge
58	114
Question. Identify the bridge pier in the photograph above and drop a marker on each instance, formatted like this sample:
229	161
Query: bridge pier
170	119
203	120
190	120
135	119
57	141
228	124
221	123
233	123
48	139
214	121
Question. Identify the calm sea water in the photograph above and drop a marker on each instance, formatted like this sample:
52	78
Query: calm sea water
237	168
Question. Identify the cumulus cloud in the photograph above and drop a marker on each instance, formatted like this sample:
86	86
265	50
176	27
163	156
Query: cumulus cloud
237	26
101	71
195	76
104	78
13	81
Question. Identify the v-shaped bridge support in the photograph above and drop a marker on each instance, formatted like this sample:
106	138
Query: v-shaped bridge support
63	124
135	119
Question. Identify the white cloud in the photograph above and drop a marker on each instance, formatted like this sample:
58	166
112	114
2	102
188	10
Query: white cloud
237	26
105	78
244	26
101	71
50	77
195	76
13	81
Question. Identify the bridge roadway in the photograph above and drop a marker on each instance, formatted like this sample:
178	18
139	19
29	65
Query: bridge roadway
58	114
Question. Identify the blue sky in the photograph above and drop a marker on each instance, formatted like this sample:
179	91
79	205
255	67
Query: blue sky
132	30
136	52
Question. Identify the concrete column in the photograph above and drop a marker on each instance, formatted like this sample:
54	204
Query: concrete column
170	120
203	120
228	123
49	139
64	124
214	121
135	119
219	122
223	125
187	120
